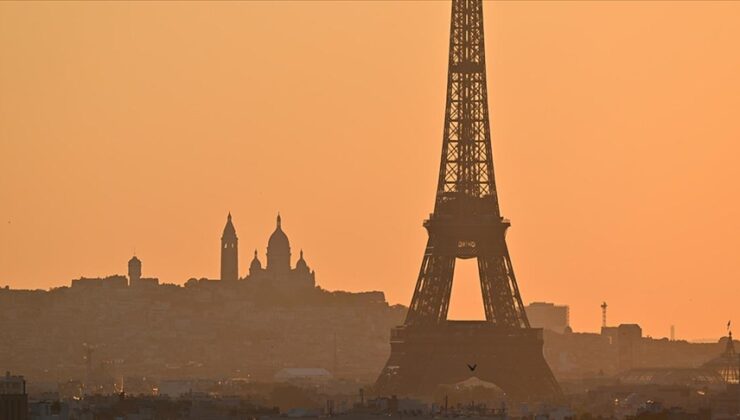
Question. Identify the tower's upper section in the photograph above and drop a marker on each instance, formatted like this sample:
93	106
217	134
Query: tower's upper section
229	252
466	182
278	249
134	262
134	270
229	230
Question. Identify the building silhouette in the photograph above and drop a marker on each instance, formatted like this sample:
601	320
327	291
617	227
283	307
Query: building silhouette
134	275
134	271
229	252
548	316
117	281
278	271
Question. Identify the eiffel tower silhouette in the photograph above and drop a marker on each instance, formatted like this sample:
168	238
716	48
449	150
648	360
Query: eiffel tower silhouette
428	350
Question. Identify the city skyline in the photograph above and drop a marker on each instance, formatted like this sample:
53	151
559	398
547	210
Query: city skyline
356	200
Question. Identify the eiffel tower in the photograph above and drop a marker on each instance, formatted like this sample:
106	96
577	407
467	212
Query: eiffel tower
429	350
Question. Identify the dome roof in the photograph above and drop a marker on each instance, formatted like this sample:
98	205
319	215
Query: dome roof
229	231
256	264
278	243
301	263
134	260
728	358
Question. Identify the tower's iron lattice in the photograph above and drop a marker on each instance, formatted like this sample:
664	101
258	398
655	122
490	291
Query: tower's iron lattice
429	350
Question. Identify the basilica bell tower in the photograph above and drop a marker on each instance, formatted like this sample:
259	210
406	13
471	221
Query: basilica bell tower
229	252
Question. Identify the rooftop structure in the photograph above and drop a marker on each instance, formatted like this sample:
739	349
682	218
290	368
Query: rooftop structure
727	365
548	316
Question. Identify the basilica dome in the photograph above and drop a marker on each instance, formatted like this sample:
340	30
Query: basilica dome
278	250
278	243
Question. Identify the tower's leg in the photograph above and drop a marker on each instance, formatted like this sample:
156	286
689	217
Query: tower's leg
431	298
501	297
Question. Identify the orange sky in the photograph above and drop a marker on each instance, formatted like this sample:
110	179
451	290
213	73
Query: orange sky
138	126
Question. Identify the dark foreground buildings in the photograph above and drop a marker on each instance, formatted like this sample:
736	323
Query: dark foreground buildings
104	335
13	398
107	335
101	333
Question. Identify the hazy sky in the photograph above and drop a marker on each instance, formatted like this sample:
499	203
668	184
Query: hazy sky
616	134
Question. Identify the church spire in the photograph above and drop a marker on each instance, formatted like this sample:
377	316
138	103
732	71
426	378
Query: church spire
229	230
229	252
